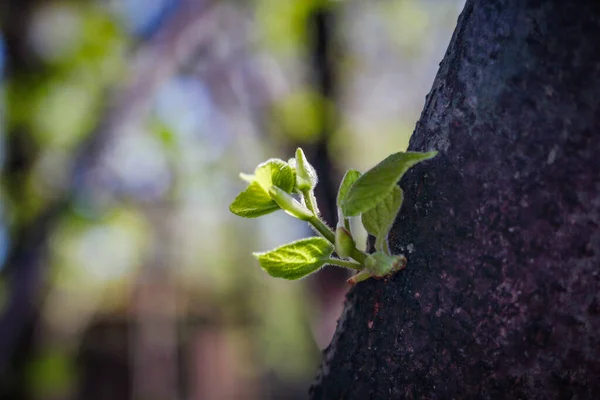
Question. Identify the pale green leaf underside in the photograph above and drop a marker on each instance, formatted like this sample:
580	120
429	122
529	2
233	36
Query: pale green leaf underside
379	220
275	172
347	181
359	233
247	177
375	184
297	259
253	202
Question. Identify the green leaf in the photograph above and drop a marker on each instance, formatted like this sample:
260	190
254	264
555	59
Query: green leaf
379	220
275	172
297	259
348	180
306	176
253	202
375	184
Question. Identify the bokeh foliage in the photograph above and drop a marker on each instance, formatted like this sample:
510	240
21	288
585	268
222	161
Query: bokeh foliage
132	181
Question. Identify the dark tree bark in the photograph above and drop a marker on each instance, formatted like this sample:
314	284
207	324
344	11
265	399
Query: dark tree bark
500	298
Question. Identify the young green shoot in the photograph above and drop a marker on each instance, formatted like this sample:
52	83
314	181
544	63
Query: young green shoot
369	201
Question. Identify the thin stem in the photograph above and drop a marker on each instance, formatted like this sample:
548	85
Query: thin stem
361	276
358	256
386	247
322	229
344	263
329	235
381	244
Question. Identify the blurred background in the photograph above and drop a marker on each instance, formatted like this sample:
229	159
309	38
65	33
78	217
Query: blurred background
123	127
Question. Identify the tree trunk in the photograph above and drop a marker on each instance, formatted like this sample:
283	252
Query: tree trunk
500	297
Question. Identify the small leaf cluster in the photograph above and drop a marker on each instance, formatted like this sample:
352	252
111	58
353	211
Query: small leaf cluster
372	199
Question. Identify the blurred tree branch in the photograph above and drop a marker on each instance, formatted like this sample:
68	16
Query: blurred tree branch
154	62
330	284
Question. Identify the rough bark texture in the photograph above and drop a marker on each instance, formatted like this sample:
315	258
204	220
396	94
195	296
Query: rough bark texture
500	298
